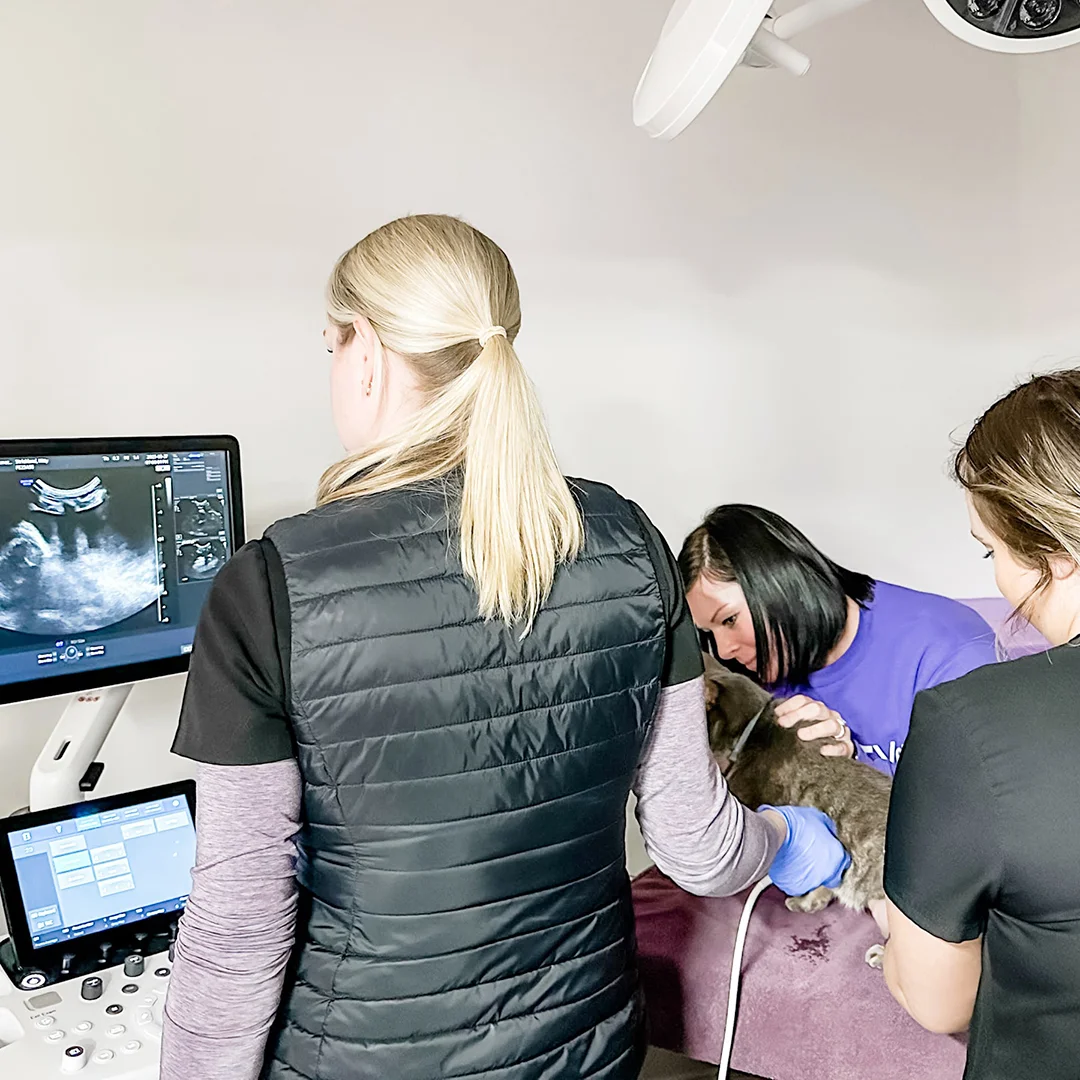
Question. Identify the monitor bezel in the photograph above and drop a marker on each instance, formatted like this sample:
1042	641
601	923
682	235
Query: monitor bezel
122	674
50	956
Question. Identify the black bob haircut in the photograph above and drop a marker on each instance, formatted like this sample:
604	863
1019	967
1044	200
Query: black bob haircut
796	595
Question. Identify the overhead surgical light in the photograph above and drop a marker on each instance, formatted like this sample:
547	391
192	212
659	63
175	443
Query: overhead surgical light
1010	26
703	41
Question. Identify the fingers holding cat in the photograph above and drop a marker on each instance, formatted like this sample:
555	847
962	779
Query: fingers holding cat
821	723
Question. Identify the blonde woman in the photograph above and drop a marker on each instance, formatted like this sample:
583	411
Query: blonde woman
420	709
982	861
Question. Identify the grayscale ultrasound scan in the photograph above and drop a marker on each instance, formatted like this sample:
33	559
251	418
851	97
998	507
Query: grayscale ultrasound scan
200	516
200	559
76	555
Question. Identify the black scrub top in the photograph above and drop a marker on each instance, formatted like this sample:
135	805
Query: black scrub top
984	838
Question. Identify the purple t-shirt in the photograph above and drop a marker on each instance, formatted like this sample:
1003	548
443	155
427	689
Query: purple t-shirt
906	642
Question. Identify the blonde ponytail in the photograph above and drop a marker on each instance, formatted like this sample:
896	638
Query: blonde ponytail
433	288
518	517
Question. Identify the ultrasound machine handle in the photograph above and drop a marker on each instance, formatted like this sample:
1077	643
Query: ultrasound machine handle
73	745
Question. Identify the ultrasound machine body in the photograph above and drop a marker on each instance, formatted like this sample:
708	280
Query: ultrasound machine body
108	549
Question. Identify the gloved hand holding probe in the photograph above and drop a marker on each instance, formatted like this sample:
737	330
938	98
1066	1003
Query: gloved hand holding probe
811	855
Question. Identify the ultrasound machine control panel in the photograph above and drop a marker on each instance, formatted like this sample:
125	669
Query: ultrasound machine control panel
107	1024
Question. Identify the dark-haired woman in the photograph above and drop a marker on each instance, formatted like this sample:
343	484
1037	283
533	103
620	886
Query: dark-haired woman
841	648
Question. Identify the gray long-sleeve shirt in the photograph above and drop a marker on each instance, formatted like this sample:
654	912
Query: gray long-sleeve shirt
239	925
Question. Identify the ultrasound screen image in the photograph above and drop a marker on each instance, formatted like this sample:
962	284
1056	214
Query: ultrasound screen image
77	550
200	516
200	559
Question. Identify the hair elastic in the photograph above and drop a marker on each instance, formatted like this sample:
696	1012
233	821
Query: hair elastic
492	331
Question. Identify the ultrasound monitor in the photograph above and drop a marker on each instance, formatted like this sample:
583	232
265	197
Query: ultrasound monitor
107	552
104	870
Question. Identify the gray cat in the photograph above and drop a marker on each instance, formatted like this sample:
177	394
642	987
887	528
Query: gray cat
775	766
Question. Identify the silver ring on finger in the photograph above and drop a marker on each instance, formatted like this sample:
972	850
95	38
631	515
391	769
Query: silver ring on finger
842	734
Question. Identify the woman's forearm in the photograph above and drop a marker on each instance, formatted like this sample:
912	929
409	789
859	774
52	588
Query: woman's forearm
694	829
239	924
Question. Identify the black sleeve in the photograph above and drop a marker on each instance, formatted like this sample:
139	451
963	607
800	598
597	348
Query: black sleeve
235	709
942	860
683	661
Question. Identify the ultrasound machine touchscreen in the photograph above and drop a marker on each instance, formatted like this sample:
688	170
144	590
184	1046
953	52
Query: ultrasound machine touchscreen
107	553
111	867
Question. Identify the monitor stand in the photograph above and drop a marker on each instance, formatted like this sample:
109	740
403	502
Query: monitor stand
66	768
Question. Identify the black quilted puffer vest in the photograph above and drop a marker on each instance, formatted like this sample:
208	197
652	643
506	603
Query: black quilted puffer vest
466	909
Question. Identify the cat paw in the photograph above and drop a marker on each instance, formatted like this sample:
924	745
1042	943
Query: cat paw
875	956
812	901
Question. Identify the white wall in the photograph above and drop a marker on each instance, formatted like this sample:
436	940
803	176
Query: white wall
795	303
1050	165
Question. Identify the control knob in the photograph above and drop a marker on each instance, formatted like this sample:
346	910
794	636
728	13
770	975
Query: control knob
134	966
92	988
74	1059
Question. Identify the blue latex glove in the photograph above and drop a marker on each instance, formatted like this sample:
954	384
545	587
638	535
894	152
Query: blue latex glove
811	855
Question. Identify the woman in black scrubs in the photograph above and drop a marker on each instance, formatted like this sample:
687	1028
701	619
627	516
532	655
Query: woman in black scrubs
982	866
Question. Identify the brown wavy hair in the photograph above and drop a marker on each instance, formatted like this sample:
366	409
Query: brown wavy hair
1021	464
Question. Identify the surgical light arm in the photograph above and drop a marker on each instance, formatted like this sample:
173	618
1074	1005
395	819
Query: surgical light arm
770	43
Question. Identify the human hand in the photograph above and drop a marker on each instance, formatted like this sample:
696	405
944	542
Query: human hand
811	855
830	724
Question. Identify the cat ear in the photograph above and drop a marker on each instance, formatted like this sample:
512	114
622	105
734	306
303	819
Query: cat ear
715	673
713	668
